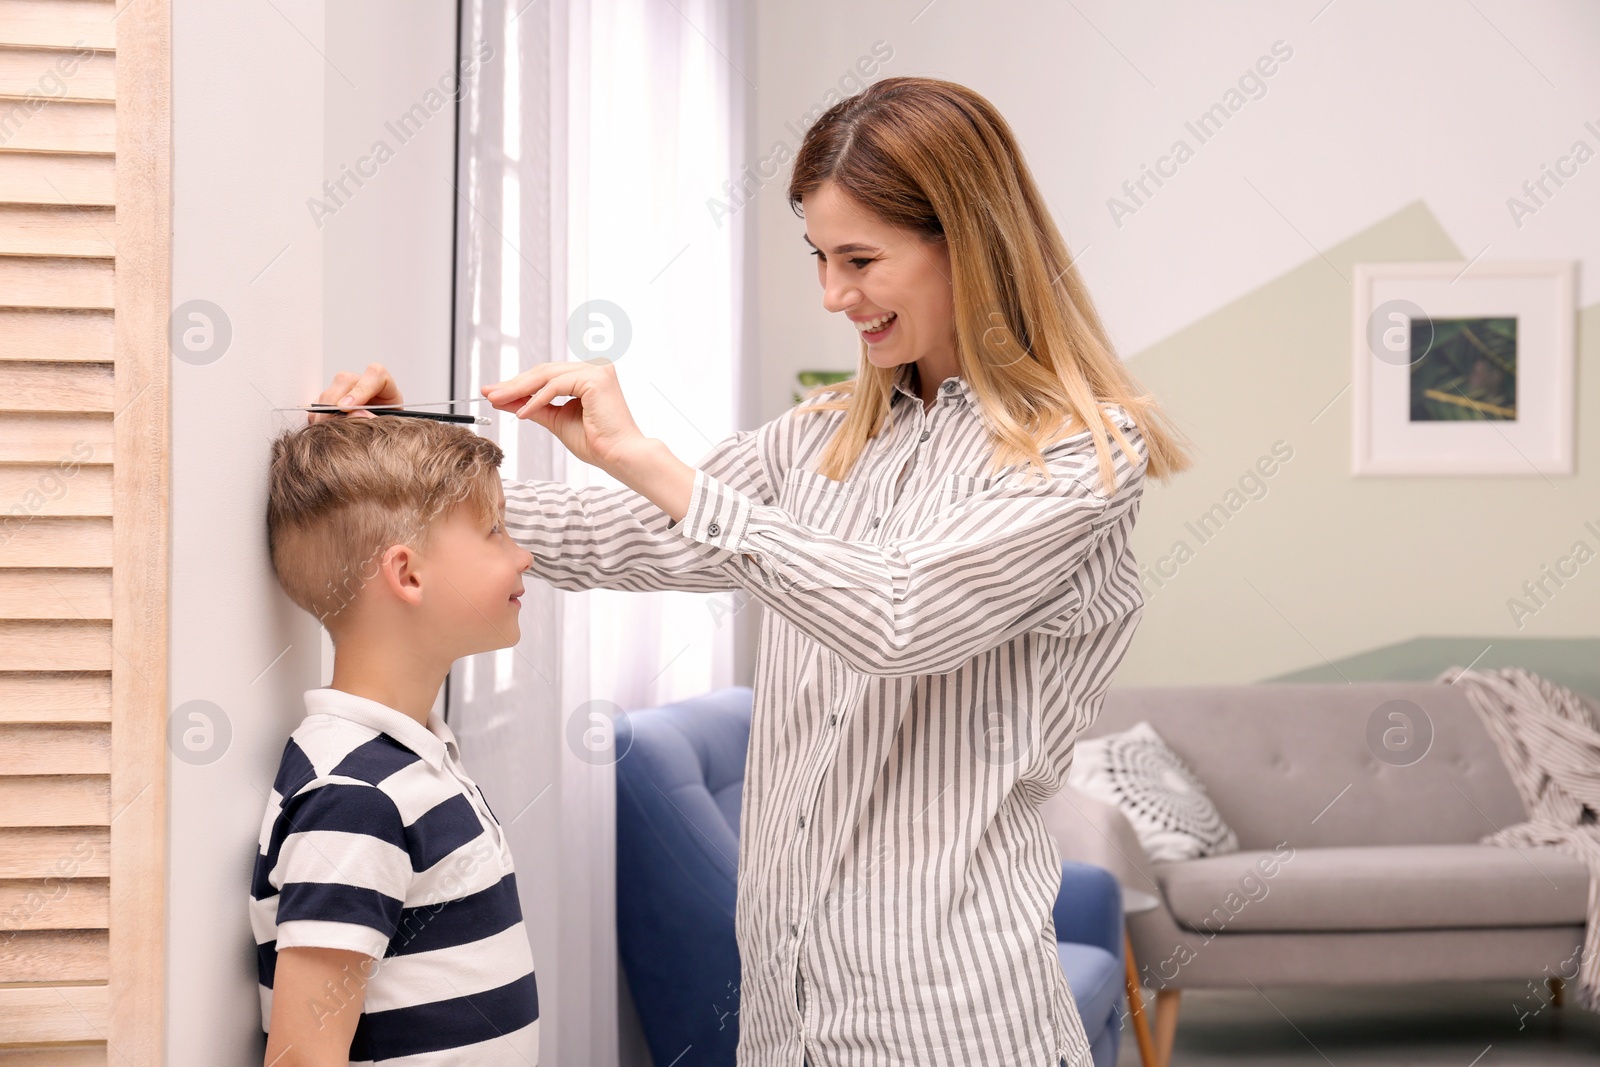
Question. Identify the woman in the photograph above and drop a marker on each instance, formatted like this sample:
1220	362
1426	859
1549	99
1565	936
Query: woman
942	543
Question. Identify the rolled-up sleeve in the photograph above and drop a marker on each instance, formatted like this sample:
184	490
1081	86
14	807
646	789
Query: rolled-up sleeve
1013	556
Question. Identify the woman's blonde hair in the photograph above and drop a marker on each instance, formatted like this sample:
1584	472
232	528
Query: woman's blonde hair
936	158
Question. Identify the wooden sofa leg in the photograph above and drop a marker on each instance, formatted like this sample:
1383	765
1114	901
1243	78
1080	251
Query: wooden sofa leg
1166	1023
1557	990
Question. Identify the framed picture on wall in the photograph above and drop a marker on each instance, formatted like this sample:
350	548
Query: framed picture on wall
1464	368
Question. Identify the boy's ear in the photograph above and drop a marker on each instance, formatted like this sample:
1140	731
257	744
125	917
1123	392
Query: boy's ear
398	570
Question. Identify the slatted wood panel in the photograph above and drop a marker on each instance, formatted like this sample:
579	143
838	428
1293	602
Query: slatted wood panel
84	182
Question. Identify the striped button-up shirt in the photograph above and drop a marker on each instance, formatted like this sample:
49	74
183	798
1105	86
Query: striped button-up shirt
936	638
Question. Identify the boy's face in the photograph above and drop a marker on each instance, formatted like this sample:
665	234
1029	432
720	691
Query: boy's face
477	571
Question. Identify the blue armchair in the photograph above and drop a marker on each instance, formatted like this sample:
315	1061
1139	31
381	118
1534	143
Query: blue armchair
680	773
1088	914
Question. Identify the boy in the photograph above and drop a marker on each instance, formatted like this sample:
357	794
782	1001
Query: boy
384	903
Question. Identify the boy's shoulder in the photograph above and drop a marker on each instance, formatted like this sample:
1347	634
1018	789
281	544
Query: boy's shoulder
330	750
325	748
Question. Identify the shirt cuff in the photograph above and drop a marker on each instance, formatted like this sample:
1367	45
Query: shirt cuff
718	516
326	933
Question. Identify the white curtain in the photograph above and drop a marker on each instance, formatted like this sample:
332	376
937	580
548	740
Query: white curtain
594	216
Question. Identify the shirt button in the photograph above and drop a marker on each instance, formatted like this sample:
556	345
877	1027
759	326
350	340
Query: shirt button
925	435
833	720
950	386
712	530
794	931
875	522
802	822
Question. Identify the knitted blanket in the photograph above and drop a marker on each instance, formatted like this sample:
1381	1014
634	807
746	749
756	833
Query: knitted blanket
1550	742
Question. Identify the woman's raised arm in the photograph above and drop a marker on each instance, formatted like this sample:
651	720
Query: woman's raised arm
1014	557
616	538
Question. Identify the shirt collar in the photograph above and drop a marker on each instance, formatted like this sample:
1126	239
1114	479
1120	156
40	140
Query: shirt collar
964	393
953	390
432	742
902	381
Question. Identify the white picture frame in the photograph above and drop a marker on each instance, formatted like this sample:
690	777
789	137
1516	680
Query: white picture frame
1461	414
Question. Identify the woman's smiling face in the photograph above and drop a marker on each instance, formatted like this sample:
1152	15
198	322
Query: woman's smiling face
875	271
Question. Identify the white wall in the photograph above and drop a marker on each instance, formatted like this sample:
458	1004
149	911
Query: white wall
247	141
262	115
388	248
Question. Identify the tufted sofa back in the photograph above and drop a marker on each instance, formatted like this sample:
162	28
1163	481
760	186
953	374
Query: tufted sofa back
1325	765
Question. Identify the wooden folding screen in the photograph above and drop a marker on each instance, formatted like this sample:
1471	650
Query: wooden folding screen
84	374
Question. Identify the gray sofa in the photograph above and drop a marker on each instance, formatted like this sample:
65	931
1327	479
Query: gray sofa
1358	862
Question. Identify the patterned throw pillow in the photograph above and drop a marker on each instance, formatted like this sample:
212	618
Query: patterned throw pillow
1161	797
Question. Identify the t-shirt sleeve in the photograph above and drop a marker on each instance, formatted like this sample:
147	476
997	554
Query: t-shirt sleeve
343	871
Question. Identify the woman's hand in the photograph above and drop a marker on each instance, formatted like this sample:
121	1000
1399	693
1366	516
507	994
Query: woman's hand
374	386
595	425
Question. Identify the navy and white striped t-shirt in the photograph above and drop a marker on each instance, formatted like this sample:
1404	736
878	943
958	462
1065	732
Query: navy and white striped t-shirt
376	841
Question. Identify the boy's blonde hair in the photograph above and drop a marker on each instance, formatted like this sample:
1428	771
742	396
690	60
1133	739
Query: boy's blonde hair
340	492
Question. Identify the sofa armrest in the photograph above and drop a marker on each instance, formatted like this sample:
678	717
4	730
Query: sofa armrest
1088	909
1089	830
